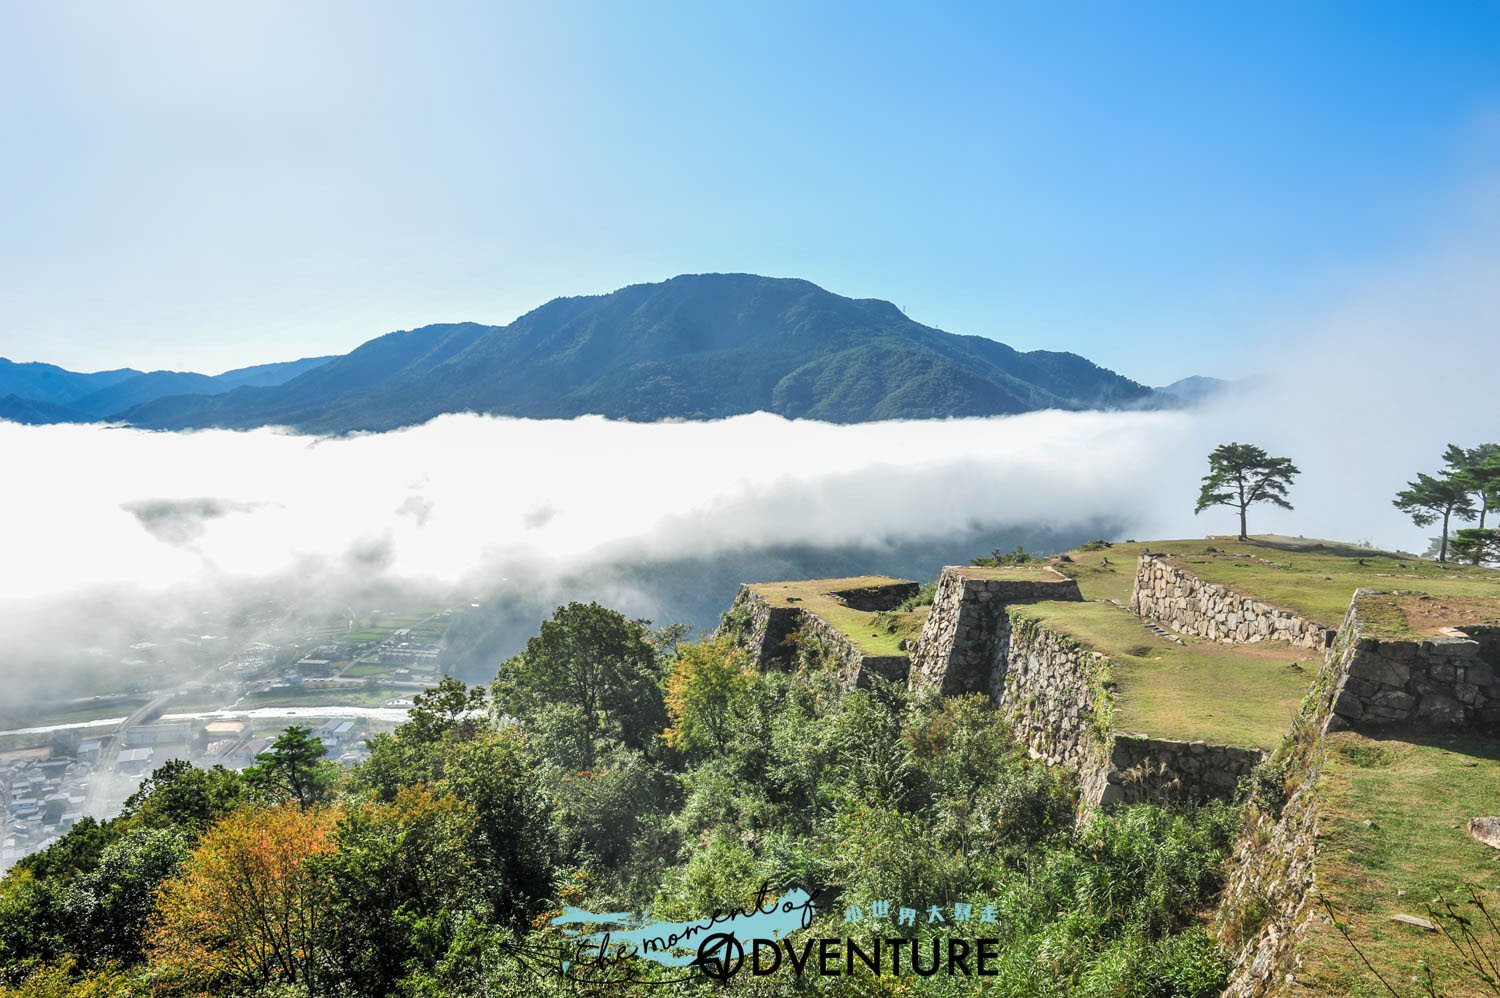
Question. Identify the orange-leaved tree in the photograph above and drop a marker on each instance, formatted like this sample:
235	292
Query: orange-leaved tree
244	909
706	685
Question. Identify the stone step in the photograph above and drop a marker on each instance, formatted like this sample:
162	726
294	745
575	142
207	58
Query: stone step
1162	632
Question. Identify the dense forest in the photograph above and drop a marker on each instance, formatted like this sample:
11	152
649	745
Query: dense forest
615	767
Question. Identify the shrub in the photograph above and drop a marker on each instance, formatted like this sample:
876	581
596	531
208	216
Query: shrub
998	558
923	597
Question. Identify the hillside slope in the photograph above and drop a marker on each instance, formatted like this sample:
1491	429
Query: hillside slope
35	413
143	388
52	384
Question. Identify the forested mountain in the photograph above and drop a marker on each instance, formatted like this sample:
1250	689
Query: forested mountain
54	385
700	346
43	393
696	347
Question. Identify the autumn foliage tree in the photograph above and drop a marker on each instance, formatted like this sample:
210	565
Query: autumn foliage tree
706	680
245	909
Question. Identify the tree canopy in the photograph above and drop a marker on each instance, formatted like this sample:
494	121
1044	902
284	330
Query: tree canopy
1478	469
594	659
294	768
1429	499
1240	475
436	868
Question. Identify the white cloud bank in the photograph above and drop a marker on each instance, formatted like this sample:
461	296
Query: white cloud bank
466	499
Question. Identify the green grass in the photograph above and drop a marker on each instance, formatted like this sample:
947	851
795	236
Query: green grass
344	696
379	630
1419	798
1417	615
1314	579
1037	572
872	633
1226	694
368	669
1097	580
121	707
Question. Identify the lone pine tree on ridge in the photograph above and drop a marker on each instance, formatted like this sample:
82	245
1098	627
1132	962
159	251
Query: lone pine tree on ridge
1240	475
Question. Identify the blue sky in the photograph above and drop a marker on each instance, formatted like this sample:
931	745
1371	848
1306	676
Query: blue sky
1158	186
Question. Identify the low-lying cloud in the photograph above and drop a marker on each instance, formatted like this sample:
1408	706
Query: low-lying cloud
465	498
181	521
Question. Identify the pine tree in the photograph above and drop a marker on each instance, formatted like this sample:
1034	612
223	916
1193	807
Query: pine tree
1241	475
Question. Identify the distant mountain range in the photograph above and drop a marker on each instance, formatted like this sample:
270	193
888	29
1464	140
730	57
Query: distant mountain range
694	347
1195	388
42	393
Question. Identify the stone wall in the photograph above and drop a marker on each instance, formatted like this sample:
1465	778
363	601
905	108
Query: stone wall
1142	768
761	628
1437	683
1176	598
855	668
1266	905
1058	698
1052	692
961	647
873	599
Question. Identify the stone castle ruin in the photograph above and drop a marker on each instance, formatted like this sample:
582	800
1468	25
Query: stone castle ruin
1387	670
1056	693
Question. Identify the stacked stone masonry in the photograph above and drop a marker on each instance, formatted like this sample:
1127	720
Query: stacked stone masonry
1142	768
1437	683
1176	598
964	637
1054	693
763	629
1048	688
872	599
1266	905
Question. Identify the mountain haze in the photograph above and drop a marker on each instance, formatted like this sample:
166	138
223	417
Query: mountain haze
1196	388
694	347
44	393
143	388
54	385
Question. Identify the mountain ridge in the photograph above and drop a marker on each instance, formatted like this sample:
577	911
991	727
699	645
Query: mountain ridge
696	346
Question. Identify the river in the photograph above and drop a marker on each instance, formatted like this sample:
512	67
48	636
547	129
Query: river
393	714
